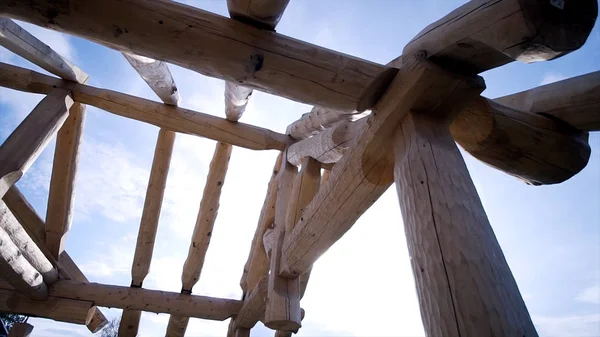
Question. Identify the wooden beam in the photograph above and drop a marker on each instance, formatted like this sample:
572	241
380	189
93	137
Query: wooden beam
248	56
34	225
157	75
26	142
534	148
18	271
257	265
263	14
575	100
481	35
306	185
20	330
59	214
164	116
22	43
463	281
56	308
253	308
26	245
236	99
319	119
365	171
156	301
129	323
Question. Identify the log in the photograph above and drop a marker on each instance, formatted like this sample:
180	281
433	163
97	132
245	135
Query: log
282	311
22	43
164	116
129	323
34	226
328	146
27	141
263	14
26	246
257	264
575	101
481	35
319	119
365	171
239	53
464	284
20	330
56	308
156	301
177	326
59	214
306	185
18	271
236	99
157	75
253	308
534	148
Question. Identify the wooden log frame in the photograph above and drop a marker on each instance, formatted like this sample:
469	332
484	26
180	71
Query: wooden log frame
320	119
34	225
157	75
168	117
20	330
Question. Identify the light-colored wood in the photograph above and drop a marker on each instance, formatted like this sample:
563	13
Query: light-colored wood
463	281
259	13
152	206
56	308
15	269
207	214
257	265
34	225
20	330
177	326
575	100
365	171
306	185
282	311
239	53
320	119
104	295
59	214
22	43
484	34
253	308
27	141
236	99
534	148
27	247
157	75
129	323
328	146
164	116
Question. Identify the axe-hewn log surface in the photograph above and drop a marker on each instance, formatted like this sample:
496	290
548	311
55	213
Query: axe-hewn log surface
164	116
28	140
56	308
22	43
575	100
59	214
157	301
157	75
253	308
464	284
365	171
245	55
34	225
534	148
484	34
26	245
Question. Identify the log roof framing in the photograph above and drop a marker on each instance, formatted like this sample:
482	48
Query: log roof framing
371	126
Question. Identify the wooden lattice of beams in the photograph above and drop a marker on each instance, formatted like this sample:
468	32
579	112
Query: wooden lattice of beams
420	104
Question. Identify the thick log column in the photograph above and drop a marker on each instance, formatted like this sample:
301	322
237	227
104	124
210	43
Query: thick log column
463	281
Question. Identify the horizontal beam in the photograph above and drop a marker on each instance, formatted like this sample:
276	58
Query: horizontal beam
157	75
22	43
575	100
320	119
164	116
156	301
248	56
481	35
262	14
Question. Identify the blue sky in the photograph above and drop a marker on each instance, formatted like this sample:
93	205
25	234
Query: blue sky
363	285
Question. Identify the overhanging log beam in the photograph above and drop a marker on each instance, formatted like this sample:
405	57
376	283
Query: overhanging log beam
248	56
365	171
157	75
156	301
164	116
28	140
258	13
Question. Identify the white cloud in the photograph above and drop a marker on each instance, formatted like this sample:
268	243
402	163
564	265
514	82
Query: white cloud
551	77
575	325
590	294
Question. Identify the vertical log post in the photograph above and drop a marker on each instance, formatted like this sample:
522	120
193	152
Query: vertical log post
464	284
